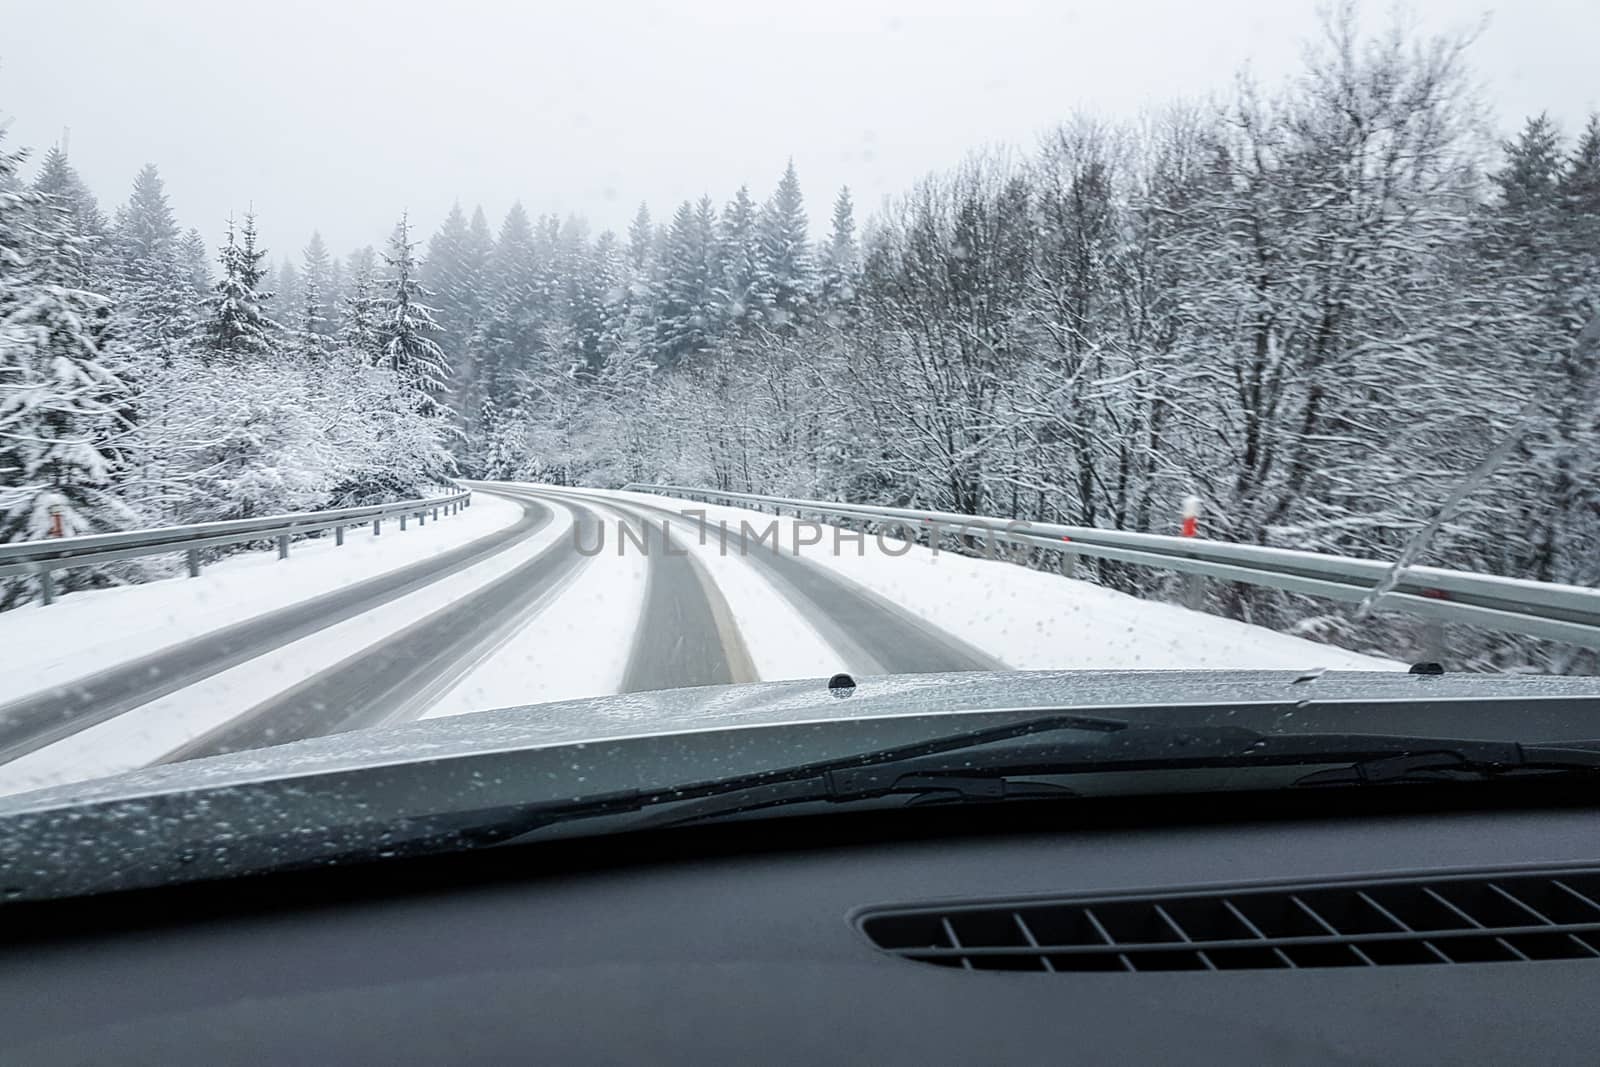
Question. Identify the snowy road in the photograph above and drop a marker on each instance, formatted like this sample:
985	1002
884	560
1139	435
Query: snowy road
523	608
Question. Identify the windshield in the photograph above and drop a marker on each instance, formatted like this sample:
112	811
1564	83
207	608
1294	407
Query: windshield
378	378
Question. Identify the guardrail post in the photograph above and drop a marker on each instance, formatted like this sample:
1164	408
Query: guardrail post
435	514
1069	563
422	517
47	586
193	556
402	520
377	527
338	535
283	546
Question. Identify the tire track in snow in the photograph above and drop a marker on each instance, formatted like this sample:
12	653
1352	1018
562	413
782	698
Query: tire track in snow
395	678
44	718
870	633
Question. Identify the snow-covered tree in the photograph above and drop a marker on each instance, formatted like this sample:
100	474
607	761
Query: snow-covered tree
360	310
406	327
1532	166
688	311
740	254
146	227
238	328
154	279
195	261
447	274
841	261
58	182
1579	184
288	295
60	407
786	276
317	289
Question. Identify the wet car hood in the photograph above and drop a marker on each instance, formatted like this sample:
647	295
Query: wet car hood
375	793
1142	694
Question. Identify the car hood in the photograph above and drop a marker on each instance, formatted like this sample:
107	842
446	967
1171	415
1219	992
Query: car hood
358	793
756	704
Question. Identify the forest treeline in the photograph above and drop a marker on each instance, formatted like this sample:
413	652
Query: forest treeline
1317	306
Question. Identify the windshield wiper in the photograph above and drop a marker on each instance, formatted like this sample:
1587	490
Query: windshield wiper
1455	766
787	785
1371	759
945	769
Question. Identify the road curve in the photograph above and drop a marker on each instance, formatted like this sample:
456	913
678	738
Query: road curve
872	634
685	636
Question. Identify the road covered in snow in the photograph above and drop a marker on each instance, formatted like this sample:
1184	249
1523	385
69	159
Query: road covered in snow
538	594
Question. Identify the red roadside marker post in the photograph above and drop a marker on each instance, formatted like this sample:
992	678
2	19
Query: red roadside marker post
1193	587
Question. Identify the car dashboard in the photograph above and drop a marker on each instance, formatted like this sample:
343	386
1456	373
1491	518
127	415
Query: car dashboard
851	939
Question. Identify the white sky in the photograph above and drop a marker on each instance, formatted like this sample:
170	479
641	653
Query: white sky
337	115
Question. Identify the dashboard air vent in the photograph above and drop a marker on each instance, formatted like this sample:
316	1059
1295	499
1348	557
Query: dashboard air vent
1465	919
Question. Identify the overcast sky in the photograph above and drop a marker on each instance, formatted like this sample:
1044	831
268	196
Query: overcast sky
337	115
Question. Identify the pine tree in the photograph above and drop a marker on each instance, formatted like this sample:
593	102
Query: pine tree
548	282
640	287
317	289
360	311
785	277
194	259
508	333
688	320
445	274
472	280
406	326
454	282
841	269
155	278
238	329
59	405
64	191
288	297
479	247
254	259
1532	167
1579	183
476	257
741	261
146	228
641	242
15	205
608	273
267	289
337	285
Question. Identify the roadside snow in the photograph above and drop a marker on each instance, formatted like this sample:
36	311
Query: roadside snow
82	633
1032	620
150	731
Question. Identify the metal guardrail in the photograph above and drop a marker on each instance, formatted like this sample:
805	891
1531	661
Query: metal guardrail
1540	609
42	558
